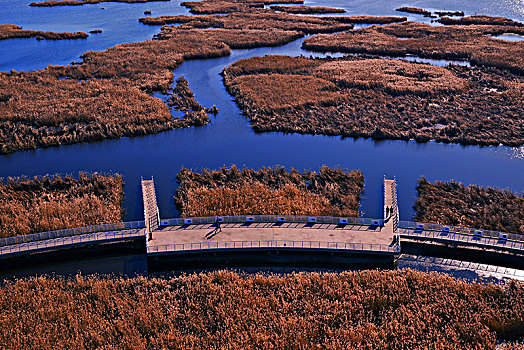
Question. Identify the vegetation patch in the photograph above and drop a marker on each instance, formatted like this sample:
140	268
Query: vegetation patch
473	43
269	191
264	19
259	20
414	10
449	13
351	310
307	9
50	203
481	20
12	31
452	203
50	3
379	98
230	6
106	95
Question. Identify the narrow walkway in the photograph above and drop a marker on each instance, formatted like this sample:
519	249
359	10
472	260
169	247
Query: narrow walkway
62	242
390	206
151	216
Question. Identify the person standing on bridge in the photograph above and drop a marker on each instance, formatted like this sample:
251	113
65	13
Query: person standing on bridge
218	226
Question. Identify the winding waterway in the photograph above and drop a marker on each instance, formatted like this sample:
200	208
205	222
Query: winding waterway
229	139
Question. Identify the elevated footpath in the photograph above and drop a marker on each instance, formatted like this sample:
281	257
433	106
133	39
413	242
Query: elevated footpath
157	245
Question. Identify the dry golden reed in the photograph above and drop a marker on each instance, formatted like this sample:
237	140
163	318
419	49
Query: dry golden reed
269	191
50	203
49	3
12	31
379	98
351	310
452	203
472	43
107	94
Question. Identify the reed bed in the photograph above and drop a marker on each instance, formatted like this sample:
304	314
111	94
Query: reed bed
230	6
452	203
450	13
369	19
183	99
306	9
378	98
12	31
414	10
268	20
350	310
50	3
269	191
48	203
481	20
471	43
106	95
258	20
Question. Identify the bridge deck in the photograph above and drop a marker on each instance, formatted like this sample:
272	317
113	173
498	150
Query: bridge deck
271	232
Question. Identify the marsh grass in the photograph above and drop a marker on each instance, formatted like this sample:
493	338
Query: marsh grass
12	31
50	203
50	3
230	6
452	203
306	9
107	94
414	10
379	98
351	310
269	191
481	20
473	43
259	20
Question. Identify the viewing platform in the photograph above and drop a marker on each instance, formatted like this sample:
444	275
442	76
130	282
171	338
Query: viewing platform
255	240
271	241
267	231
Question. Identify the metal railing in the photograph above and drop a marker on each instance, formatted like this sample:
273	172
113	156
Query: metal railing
363	247
395	205
70	240
273	219
454	237
458	229
71	232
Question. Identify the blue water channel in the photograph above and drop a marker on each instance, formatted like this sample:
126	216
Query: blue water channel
229	139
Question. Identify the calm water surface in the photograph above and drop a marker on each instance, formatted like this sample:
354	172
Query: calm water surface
229	139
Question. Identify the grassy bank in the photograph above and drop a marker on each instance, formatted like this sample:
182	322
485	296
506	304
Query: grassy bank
269	191
452	203
353	310
50	203
379	98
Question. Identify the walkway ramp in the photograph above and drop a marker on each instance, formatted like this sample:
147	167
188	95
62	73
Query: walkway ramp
391	214
151	215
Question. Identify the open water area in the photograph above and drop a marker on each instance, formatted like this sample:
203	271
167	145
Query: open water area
229	139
